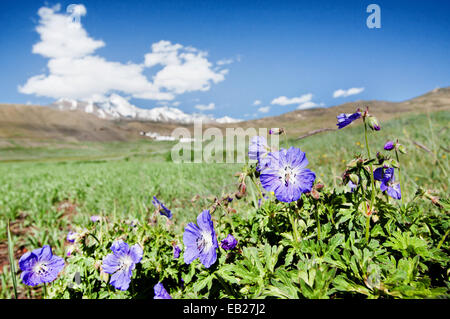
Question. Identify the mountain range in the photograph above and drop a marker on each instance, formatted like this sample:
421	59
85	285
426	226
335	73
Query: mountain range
117	107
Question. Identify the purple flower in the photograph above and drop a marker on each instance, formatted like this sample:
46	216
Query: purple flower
373	123
200	241
389	145
346	119
72	236
229	243
40	266
386	176
352	186
95	218
286	174
160	292
176	251
121	263
70	250
163	210
258	150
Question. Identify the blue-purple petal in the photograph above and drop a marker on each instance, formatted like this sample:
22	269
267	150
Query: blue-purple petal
160	292
136	253
121	279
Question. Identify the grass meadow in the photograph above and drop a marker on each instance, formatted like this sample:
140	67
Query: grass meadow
46	190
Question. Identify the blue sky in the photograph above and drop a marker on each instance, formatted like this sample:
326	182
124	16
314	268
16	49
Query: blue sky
303	51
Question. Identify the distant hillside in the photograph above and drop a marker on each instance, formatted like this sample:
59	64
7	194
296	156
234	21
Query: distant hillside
28	125
303	121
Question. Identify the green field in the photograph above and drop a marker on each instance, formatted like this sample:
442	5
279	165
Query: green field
46	190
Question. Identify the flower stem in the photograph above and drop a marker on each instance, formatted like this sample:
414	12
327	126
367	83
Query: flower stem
399	175
45	290
11	260
257	187
285	140
442	240
318	223
372	182
367	228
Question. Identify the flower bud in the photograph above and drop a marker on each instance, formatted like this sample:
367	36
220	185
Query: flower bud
70	250
389	145
242	187
373	123
315	194
318	186
401	149
276	131
394	163
364	208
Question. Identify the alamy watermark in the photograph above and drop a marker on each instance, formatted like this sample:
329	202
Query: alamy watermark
75	11
374	19
215	145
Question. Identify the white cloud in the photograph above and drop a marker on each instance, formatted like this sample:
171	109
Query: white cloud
176	103
192	73
225	61
61	38
264	109
283	100
345	93
208	107
304	101
307	105
74	72
257	102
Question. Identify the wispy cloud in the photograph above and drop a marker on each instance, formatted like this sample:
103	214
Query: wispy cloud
202	107
264	109
225	61
345	93
75	72
283	100
304	101
257	102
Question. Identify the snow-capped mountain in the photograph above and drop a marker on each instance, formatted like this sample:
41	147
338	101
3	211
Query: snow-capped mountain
117	107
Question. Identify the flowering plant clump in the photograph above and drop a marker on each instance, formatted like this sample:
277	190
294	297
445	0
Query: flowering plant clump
283	233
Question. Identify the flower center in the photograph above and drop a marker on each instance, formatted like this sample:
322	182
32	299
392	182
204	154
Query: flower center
204	242
126	262
40	268
288	175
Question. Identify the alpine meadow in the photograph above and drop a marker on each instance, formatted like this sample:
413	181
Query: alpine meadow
345	197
